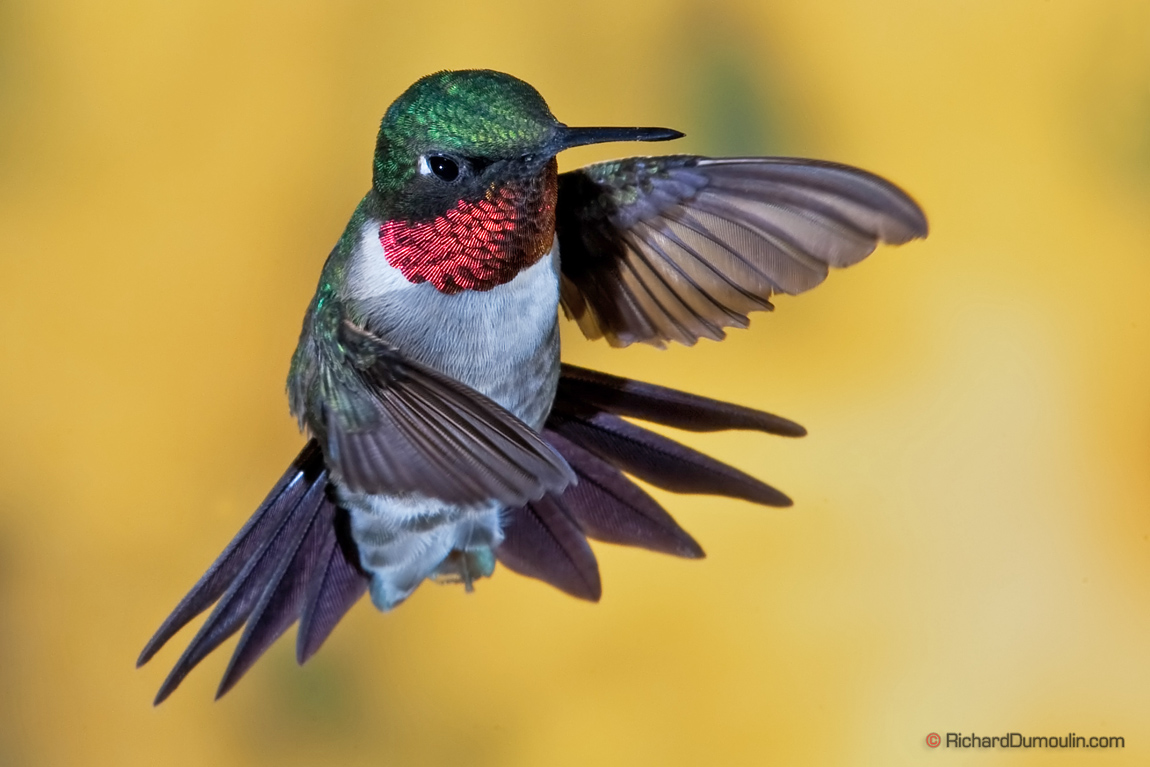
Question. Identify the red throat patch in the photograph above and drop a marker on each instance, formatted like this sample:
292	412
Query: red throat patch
478	245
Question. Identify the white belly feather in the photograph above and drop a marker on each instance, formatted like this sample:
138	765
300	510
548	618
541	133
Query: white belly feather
503	343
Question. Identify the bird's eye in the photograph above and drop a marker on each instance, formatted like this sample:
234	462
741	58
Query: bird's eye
444	167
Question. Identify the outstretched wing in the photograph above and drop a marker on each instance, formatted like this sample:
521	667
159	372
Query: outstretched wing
676	248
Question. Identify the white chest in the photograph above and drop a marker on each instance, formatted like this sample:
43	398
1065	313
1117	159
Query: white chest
503	342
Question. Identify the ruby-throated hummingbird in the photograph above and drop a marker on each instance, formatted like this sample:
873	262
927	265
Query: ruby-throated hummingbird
445	432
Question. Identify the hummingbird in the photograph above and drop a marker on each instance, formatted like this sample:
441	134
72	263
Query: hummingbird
444	433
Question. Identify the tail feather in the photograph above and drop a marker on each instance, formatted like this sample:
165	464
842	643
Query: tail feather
334	589
586	428
609	507
541	541
660	461
270	573
245	593
306	470
282	600
585	390
294	559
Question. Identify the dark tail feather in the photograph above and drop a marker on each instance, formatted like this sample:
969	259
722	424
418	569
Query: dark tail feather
295	559
594	391
586	429
306	470
541	541
245	592
264	575
609	507
283	595
334	588
658	460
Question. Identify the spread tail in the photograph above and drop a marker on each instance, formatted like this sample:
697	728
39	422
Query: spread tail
547	540
287	563
295	560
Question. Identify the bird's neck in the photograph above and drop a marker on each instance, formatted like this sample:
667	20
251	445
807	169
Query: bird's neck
477	244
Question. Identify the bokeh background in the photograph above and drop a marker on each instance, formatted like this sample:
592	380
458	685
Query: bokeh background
970	545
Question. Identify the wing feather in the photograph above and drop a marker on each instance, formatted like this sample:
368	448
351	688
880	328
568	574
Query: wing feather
429	434
658	249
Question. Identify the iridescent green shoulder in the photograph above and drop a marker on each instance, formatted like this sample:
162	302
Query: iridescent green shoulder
628	179
316	364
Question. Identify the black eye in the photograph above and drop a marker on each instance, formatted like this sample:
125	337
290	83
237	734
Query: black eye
444	167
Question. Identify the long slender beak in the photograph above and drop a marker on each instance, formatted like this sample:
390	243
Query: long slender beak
569	137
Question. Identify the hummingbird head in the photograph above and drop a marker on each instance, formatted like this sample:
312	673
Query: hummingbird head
466	177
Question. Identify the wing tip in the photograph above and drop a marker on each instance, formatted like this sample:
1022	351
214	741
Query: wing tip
916	226
922	231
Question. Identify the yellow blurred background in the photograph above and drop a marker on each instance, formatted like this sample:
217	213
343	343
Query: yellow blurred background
970	545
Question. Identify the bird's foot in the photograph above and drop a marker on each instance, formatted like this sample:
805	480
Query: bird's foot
465	567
